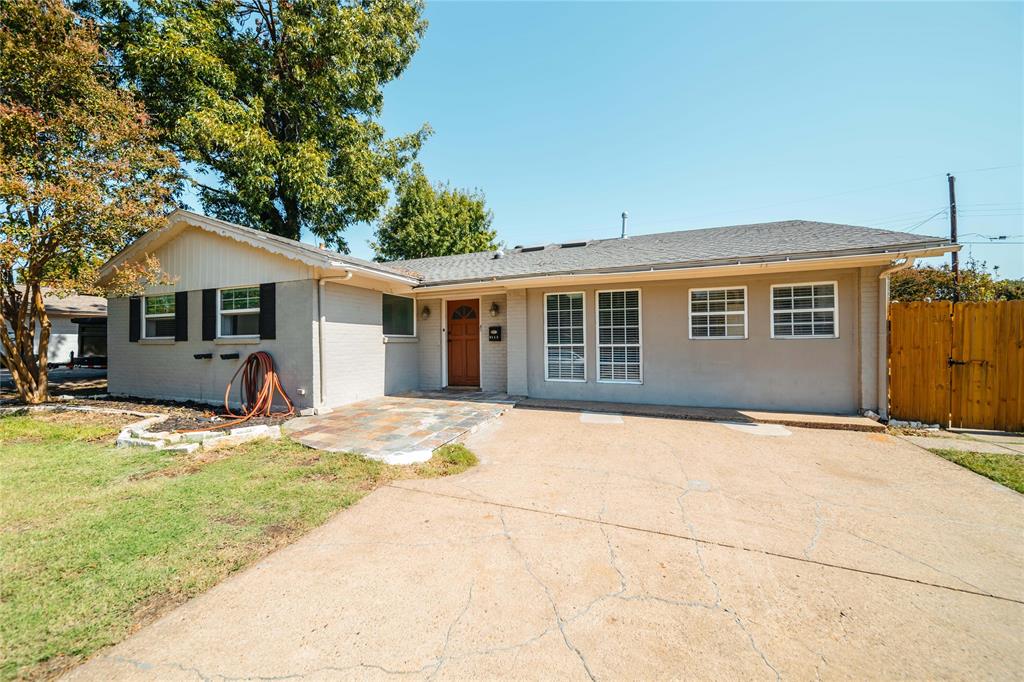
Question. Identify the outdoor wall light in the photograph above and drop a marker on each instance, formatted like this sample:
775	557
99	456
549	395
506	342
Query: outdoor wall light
425	313
495	309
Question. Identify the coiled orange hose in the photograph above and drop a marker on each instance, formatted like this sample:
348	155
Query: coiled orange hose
260	383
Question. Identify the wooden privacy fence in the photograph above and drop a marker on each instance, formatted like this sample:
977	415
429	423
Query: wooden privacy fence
958	364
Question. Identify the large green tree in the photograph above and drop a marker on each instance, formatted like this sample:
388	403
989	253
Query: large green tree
938	284
81	176
273	104
428	220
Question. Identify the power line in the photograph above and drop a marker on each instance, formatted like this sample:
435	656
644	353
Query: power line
835	194
943	212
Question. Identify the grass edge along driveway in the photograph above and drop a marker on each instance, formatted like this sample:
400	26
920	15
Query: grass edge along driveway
1005	469
96	542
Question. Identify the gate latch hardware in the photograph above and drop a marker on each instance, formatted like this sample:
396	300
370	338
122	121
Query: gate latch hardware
952	362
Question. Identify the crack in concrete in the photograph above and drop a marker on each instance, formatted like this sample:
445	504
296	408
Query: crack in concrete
716	543
214	677
448	635
819	525
714	583
471	539
614	560
910	558
551	598
148	667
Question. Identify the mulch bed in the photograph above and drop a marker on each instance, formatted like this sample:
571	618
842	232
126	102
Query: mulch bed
184	416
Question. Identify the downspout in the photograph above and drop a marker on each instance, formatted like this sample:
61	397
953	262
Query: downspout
320	321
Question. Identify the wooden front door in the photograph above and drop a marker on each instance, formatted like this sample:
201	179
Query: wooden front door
464	343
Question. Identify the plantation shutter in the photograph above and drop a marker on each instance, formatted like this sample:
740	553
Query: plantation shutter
268	311
209	314
134	318
181	316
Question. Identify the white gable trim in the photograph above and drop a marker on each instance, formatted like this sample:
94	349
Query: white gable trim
180	219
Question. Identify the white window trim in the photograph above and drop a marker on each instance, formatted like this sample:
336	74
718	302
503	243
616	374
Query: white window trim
597	335
546	344
834	309
689	320
157	316
242	311
414	315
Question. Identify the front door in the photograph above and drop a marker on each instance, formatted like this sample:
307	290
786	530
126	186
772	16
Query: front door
464	343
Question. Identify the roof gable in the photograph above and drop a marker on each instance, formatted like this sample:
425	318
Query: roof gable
324	260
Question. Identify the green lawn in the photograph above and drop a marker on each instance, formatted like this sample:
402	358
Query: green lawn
1005	469
95	541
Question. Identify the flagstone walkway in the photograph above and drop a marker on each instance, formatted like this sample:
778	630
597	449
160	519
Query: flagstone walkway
399	429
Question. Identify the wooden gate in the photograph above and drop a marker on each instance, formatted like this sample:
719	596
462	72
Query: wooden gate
961	365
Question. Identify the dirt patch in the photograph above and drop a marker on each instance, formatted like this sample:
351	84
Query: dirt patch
52	669
156	606
277	531
907	431
189	464
79	418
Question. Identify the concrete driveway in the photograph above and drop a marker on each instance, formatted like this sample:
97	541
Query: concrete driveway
592	546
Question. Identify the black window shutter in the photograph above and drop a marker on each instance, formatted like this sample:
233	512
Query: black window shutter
268	311
209	314
134	318
181	316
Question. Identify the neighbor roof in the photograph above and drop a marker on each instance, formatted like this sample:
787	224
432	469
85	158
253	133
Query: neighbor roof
86	306
759	242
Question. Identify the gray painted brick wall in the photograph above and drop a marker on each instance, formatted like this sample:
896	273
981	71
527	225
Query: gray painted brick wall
353	345
493	356
167	369
429	347
516	344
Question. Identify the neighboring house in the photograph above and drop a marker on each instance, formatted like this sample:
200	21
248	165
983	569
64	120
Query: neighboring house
78	326
787	316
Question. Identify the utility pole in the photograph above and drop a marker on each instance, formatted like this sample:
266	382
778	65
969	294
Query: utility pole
954	256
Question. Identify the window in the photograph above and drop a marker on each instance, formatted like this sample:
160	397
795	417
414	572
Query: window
239	311
618	336
399	316
563	326
158	317
804	310
718	313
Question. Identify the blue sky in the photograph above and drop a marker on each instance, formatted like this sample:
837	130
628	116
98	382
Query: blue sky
693	115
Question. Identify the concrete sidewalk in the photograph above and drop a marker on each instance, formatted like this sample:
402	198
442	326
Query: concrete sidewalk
972	440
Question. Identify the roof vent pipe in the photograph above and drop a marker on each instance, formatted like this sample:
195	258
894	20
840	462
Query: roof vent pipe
625	217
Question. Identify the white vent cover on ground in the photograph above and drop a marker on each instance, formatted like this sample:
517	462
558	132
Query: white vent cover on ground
758	429
600	418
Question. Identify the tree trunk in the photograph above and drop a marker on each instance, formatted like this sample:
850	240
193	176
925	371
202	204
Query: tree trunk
28	373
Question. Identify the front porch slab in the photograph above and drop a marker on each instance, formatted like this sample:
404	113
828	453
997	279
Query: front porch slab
712	414
398	429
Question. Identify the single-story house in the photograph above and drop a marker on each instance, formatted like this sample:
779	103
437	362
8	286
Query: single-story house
78	326
783	316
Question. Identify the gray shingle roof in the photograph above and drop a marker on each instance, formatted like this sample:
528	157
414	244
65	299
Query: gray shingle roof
717	245
74	304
